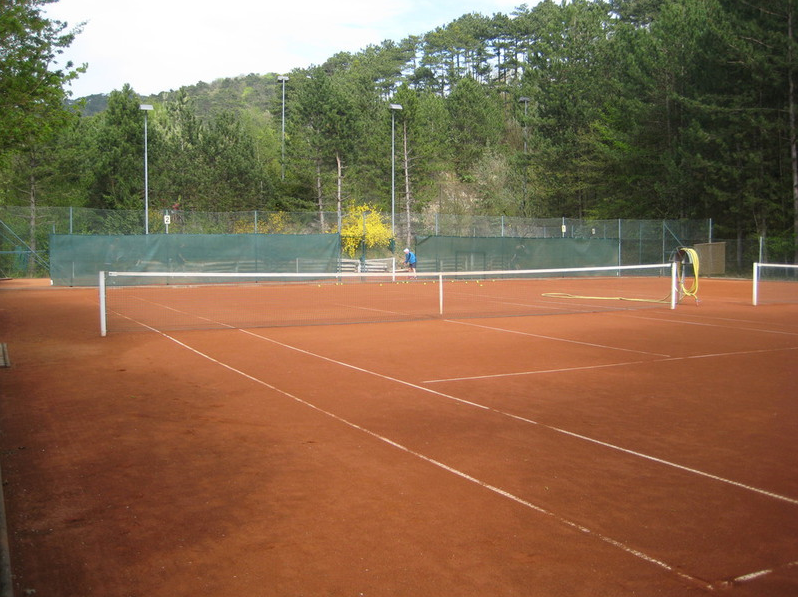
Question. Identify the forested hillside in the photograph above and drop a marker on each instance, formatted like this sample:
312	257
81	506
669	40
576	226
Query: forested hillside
585	108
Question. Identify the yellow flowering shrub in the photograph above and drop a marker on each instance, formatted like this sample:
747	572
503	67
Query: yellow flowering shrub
377	233
274	223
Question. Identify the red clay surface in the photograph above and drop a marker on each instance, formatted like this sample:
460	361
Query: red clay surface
629	453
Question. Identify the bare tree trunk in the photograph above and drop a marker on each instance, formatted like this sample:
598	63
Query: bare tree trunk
406	167
340	181
319	196
32	224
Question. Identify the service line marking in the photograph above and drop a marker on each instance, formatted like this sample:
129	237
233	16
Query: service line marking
717	325
666	358
555	338
541	371
622	364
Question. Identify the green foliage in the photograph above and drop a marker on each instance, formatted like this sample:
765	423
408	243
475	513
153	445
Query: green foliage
229	154
178	181
475	122
119	144
634	108
31	86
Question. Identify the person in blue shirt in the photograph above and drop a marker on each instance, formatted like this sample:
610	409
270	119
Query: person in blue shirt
410	261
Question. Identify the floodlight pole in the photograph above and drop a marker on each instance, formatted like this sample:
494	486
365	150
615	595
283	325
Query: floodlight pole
146	108
394	108
283	79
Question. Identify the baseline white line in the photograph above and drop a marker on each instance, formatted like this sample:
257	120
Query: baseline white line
506	494
532	422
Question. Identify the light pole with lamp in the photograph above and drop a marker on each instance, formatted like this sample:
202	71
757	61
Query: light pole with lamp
146	108
282	79
394	108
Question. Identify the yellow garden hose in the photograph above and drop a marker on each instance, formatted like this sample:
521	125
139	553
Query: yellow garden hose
681	256
692	258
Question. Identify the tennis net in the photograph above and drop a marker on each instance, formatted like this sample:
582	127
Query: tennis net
775	283
190	300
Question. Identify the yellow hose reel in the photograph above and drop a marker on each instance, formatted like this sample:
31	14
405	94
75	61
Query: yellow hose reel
684	257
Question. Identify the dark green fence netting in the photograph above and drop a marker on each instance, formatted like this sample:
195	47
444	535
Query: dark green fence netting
76	260
452	253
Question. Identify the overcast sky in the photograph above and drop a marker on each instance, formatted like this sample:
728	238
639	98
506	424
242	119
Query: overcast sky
160	45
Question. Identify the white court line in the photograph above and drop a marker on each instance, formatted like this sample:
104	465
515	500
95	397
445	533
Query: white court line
218	323
623	547
606	539
564	521
488	327
759	574
541	371
525	420
717	325
681	467
624	364
628	549
372	309
175	310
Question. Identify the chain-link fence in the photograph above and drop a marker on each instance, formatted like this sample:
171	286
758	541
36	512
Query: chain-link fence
25	232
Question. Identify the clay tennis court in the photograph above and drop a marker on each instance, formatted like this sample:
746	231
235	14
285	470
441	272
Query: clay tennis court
643	452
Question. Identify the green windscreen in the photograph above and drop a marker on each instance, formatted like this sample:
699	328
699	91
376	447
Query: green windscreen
76	260
455	253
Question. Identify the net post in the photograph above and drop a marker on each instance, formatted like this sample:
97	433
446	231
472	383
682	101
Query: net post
103	322
755	297
674	284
